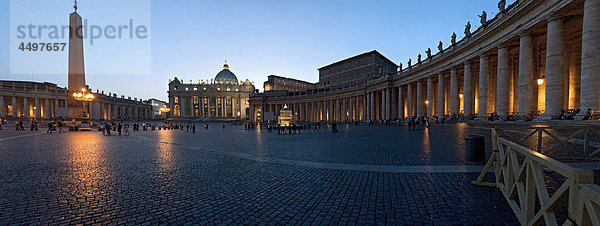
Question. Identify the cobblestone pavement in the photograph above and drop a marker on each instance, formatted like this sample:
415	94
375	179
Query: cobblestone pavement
216	176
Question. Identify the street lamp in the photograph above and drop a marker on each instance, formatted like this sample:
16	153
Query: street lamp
164	109
84	97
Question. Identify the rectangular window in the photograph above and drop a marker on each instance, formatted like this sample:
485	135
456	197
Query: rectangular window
195	99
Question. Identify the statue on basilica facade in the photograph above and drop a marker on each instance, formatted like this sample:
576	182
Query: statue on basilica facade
483	19
453	38
468	29
502	5
400	67
409	63
441	47
428	53
419	58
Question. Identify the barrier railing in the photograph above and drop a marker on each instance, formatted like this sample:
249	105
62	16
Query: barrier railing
519	174
588	151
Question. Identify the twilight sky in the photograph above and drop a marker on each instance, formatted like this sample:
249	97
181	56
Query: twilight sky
190	39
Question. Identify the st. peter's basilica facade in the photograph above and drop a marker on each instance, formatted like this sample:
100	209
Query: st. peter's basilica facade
221	98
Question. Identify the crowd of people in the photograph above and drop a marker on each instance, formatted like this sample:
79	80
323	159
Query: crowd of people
413	123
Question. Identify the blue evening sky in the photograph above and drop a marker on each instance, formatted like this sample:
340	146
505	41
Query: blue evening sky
190	39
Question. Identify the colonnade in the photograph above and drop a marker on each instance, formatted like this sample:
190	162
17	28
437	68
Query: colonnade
536	60
47	108
208	106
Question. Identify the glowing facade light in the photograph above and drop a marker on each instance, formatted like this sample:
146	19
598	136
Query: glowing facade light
540	81
460	95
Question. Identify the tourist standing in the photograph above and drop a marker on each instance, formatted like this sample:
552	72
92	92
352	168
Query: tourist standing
119	128
194	128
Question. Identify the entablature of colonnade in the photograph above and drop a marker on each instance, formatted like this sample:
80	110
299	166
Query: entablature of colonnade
37	94
500	31
324	96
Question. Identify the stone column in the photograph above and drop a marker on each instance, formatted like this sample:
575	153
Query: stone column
47	109
364	111
400	103
590	57
336	110
409	101
526	73
382	114
419	99
113	112
429	100
15	108
26	107
306	112
468	90
201	107
312	111
101	111
503	84
357	109
319	111
441	101
372	103
483	86
223	107
209	108
36	107
388	104
367	106
2	109
555	73
251	113
87	107
344	110
454	97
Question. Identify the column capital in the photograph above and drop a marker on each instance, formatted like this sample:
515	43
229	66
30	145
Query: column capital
525	33
555	17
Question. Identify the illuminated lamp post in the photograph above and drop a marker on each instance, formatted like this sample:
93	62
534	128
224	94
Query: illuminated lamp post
84	97
165	110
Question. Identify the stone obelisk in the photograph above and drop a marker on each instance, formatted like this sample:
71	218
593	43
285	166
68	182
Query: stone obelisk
76	65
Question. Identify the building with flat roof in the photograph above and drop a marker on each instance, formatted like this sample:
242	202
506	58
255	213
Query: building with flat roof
355	70
275	82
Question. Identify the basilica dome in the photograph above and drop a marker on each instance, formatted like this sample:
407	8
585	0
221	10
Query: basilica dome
226	76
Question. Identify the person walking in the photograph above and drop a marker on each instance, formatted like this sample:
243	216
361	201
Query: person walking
119	128
108	128
127	129
193	128
50	127
60	126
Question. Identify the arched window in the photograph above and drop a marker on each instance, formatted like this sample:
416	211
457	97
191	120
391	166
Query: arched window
177	111
176	100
